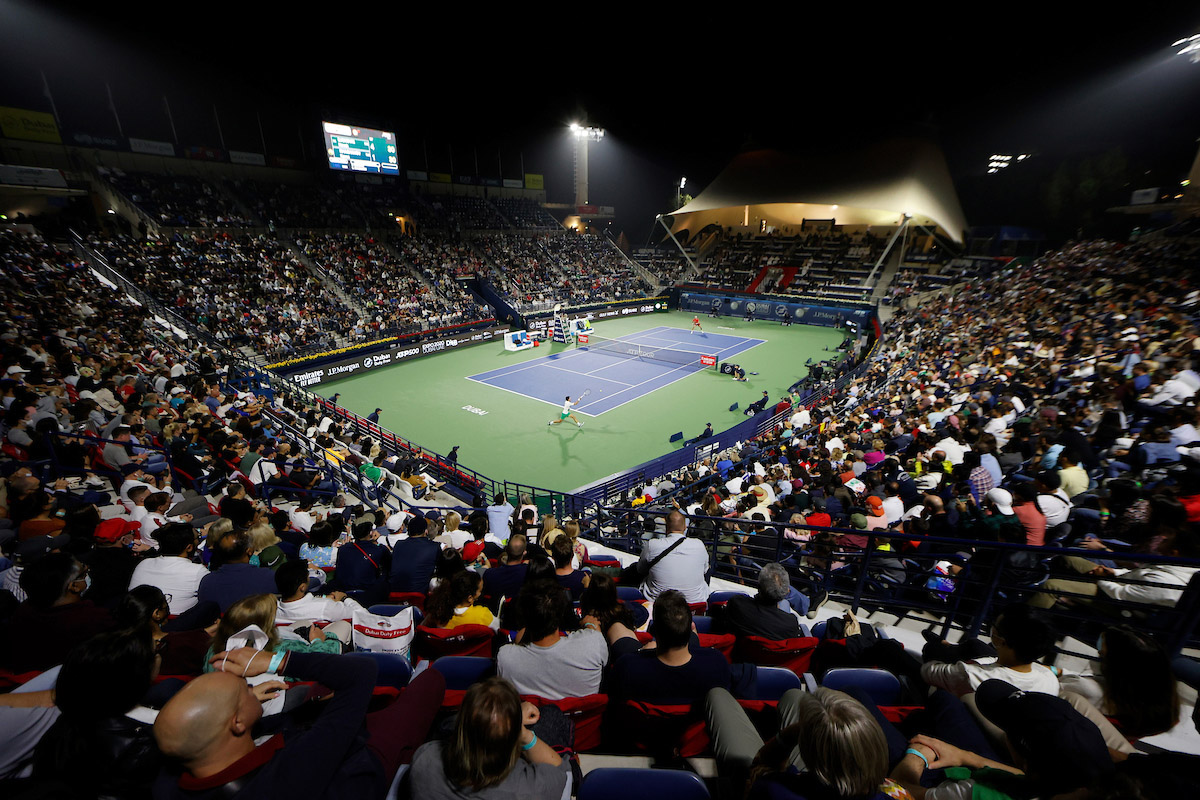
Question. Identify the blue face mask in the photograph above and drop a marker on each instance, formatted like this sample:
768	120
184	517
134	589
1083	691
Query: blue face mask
254	562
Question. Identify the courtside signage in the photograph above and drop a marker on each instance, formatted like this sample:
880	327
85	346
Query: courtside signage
406	352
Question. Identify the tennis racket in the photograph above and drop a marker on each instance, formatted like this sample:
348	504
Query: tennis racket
586	392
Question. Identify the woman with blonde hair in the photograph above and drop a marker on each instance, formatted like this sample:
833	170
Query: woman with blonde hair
260	610
264	543
571	526
549	523
454	536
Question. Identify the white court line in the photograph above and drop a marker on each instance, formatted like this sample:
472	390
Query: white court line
668	383
531	397
587	374
544	361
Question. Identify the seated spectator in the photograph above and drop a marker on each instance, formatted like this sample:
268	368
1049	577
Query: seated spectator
54	617
675	562
180	650
364	564
208	730
173	571
1118	584
298	605
1020	636
546	663
1055	748
414	559
505	579
832	737
453	603
102	746
669	670
264	544
112	561
455	536
762	615
600	601
260	610
234	578
321	549
1131	684
493	753
573	580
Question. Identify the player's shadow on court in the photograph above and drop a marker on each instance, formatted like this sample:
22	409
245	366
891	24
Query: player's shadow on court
564	445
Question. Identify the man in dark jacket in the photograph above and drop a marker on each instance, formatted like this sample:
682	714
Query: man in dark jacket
761	615
413	559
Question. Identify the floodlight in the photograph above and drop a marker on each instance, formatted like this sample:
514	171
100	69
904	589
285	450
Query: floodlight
1189	46
683	182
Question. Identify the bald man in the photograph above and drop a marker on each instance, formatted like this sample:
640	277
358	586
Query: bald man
206	730
675	562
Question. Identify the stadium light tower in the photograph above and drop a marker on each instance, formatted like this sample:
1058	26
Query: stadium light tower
583	134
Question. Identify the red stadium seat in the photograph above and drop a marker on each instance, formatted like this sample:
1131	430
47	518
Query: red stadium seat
414	599
661	729
465	640
587	713
794	654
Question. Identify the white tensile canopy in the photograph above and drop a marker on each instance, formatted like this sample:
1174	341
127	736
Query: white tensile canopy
876	186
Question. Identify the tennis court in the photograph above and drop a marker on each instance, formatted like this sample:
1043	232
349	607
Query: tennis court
616	371
503	434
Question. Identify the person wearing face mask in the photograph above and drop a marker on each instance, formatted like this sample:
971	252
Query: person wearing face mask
54	617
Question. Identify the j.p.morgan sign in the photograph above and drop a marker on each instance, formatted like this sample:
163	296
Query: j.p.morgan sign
407	351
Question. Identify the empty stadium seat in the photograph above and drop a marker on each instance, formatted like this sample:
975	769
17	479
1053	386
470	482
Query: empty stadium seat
613	783
883	687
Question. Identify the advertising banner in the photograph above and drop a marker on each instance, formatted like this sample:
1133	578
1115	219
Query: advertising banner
32	126
242	157
535	181
31	176
203	153
513	183
405	351
651	305
92	140
439	177
151	147
417	175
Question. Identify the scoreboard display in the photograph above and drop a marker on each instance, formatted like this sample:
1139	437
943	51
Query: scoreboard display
361	149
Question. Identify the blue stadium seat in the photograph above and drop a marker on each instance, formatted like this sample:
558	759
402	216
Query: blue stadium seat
721	598
394	670
881	685
773	682
630	594
462	671
703	624
610	783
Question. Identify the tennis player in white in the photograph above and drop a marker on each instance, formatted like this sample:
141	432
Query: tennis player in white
566	414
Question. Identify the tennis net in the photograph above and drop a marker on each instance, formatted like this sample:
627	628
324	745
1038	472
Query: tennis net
633	350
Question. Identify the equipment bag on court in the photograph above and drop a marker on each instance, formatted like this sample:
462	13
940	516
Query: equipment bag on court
376	633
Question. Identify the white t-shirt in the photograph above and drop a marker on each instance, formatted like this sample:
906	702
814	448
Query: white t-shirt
965	677
175	576
310	608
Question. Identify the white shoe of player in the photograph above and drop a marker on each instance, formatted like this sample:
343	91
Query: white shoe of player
579	424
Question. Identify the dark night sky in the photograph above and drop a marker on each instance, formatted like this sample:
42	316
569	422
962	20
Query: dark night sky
677	97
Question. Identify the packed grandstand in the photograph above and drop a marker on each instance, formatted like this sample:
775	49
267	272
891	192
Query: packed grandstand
964	564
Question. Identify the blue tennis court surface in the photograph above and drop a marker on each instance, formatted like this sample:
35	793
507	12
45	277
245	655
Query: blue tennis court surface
614	378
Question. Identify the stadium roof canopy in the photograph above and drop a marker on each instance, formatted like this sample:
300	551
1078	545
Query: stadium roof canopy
875	186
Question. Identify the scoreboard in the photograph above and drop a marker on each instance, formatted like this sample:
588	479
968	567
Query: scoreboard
361	149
